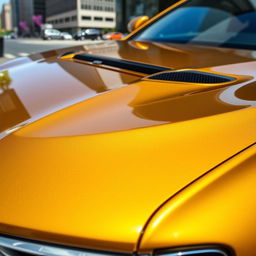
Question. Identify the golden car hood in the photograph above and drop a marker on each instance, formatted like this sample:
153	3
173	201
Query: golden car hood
88	154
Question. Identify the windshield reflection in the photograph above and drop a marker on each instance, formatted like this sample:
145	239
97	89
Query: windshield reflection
221	23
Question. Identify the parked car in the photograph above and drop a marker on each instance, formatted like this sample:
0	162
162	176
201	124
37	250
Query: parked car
11	36
90	33
8	36
113	36
66	36
146	147
49	34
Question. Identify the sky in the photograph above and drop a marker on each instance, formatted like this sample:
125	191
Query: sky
3	2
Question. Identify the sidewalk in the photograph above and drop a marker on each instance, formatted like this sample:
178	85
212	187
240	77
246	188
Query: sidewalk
24	47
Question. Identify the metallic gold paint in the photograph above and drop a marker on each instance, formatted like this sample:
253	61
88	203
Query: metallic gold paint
218	208
98	150
98	191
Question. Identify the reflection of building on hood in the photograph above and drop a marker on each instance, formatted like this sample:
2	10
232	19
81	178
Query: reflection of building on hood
12	111
5	80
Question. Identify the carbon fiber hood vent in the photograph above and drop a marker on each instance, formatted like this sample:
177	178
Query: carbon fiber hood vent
192	76
120	63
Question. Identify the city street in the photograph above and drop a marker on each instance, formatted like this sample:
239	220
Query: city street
14	48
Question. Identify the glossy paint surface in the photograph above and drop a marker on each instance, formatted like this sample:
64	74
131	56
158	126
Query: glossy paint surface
216	209
89	152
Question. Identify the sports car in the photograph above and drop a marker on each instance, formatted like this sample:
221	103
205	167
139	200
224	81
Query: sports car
142	147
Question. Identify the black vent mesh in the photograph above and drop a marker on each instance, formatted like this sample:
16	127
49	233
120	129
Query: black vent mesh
192	77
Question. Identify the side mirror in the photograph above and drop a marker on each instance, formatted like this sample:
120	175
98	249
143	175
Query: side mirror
137	22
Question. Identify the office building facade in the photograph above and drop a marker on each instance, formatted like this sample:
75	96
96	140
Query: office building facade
15	14
39	8
6	19
74	16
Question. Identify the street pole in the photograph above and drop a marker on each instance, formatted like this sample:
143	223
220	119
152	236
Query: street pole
1	46
1	40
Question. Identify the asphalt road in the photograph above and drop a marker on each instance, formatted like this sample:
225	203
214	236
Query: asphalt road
14	48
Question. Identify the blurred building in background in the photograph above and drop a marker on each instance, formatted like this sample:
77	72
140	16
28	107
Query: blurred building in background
15	14
26	15
39	8
129	9
6	19
73	16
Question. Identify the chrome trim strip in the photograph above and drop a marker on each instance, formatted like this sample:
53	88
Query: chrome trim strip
197	252
43	250
38	249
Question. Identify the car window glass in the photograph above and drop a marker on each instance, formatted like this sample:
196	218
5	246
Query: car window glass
223	23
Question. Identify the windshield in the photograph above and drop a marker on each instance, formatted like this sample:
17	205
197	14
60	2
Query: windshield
224	23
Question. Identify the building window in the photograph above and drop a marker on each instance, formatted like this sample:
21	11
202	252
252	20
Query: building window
67	19
74	18
86	17
109	19
98	18
86	6
109	9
